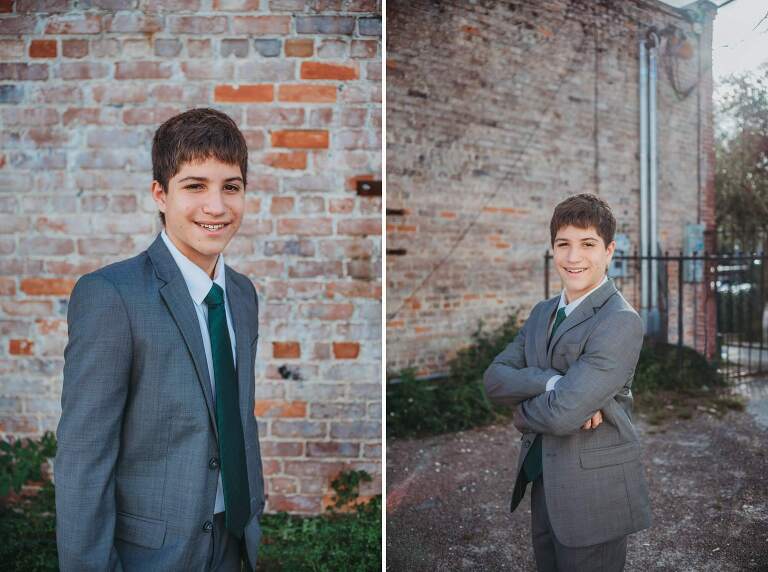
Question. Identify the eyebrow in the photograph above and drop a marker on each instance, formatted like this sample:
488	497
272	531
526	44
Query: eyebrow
205	179
580	239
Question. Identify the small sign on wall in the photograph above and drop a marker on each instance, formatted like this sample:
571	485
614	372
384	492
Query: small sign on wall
620	268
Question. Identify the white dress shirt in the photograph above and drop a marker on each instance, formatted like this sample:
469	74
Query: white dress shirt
199	284
568	309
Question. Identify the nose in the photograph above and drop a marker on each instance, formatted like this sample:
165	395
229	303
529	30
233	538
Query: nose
573	255
214	203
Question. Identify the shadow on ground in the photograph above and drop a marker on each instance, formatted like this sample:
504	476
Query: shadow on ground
448	499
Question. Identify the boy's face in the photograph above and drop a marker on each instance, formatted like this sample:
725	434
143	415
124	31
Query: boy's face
581	258
203	193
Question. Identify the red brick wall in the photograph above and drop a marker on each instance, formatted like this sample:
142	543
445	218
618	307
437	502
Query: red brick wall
83	86
496	111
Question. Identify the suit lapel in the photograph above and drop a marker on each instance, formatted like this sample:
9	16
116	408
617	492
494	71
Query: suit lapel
542	329
237	301
585	310
176	296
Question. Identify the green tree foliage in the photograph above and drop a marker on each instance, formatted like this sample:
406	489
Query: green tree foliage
741	178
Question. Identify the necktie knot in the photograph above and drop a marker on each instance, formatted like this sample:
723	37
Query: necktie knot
215	296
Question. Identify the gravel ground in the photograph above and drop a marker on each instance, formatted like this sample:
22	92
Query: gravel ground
448	499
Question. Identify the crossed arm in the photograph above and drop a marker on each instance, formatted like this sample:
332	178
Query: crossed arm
609	358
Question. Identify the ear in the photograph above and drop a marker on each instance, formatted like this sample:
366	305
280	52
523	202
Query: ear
159	195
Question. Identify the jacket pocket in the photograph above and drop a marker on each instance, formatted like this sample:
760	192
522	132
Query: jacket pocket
606	456
139	530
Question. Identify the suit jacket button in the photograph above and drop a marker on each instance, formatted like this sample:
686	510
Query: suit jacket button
213	463
207	526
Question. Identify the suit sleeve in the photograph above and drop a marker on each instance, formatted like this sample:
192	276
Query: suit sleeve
608	362
508	380
97	368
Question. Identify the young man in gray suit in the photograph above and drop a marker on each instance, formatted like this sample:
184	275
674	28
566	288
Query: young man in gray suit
158	464
568	373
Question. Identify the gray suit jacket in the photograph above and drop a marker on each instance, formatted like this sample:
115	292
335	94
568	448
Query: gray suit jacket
593	479
137	463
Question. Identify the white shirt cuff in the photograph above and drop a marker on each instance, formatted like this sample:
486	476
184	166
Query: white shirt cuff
552	381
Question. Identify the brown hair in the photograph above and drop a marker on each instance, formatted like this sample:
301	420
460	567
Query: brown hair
196	135
583	211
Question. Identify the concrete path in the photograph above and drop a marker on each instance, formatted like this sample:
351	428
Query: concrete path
448	499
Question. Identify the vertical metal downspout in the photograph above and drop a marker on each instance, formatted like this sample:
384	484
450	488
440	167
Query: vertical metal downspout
644	250
653	241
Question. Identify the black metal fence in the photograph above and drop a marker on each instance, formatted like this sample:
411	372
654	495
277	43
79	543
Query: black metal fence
713	303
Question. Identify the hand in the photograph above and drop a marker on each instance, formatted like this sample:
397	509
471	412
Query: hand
593	421
517	421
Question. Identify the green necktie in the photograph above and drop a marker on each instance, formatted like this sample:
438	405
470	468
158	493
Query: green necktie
532	463
234	474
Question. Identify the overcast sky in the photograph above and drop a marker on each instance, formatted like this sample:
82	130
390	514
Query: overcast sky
737	46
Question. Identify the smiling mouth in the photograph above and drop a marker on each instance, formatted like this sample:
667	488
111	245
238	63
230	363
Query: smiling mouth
575	271
212	227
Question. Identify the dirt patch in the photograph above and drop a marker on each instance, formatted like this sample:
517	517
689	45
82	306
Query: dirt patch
448	499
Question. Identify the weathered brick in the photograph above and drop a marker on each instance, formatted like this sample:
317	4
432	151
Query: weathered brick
267	48
349	410
41	6
23	72
206	70
21	347
142	70
346	350
275	408
333	48
261	25
234	47
44	245
298	429
83	70
305	227
332	449
322	70
275	116
11	49
307	93
369	26
197	24
282	449
19	25
360	227
356	430
74	48
299	48
11	93
291	160
244	93
119	94
364	49
43	49
47	286
199	48
301	139
74	24
236	5
325	25
167	47
327	311
301	504
286	350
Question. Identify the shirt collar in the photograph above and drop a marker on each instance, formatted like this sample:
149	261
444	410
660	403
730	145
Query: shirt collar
198	282
572	306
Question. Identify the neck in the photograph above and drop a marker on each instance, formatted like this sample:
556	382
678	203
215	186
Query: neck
205	262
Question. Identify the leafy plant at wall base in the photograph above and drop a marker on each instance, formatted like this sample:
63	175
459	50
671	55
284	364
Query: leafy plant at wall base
418	408
347	487
331	542
20	461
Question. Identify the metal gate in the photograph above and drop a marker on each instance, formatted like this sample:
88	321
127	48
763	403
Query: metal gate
716	304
